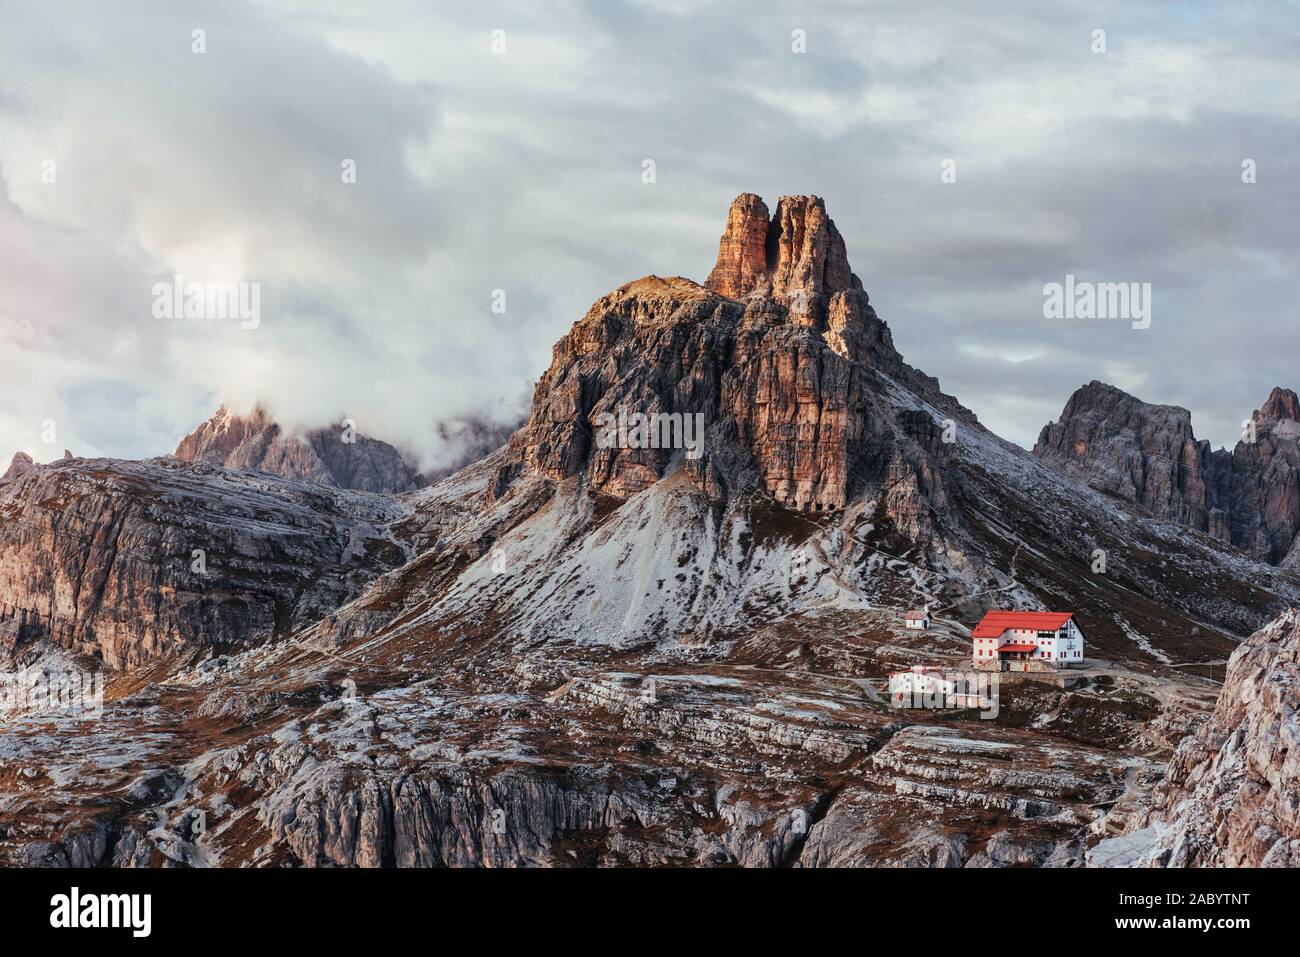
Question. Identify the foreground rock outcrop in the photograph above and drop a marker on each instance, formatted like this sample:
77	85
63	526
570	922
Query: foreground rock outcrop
1231	795
541	764
339	457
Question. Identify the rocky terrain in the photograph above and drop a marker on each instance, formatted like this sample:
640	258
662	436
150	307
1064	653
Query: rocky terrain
1249	497
22	463
1231	794
575	652
339	456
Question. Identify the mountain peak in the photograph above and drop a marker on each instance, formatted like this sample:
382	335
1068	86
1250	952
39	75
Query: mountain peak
796	254
1106	399
335	457
1146	453
778	357
19	466
1280	404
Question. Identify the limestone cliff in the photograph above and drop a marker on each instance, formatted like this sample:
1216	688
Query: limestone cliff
126	561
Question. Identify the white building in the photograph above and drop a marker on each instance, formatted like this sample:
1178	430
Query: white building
1027	641
917	619
924	687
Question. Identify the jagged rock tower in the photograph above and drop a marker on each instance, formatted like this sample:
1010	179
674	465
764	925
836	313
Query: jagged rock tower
780	351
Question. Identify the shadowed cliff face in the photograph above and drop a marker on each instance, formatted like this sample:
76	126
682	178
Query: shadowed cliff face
1122	445
780	353
126	561
1147	453
1262	488
335	457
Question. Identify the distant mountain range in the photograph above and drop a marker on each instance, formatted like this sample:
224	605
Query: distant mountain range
339	456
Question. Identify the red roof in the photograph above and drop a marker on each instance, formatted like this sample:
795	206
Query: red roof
914	613
996	622
1017	648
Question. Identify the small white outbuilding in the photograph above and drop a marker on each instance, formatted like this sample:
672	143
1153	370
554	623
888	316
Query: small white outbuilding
917	619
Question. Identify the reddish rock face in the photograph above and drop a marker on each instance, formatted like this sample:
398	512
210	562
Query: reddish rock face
780	352
19	466
797	257
806	414
742	251
1281	404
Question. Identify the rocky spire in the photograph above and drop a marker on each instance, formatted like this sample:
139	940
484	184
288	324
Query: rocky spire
1280	404
797	256
742	251
20	465
777	358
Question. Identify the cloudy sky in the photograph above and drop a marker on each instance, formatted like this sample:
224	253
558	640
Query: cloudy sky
128	158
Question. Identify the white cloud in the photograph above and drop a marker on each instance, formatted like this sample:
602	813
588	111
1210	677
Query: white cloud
522	172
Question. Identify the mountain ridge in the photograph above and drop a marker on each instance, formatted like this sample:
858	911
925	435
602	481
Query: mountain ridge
1248	498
